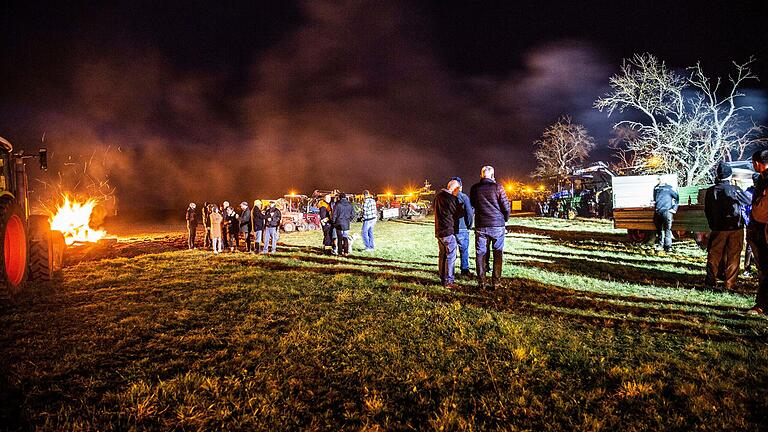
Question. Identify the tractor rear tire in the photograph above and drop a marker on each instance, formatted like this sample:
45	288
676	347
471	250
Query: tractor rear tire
41	250
13	248
639	236
289	227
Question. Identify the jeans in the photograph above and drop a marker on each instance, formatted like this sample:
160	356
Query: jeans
446	259
462	238
217	244
270	233
368	233
663	222
484	236
257	240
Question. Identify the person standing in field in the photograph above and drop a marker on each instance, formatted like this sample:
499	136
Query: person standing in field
225	229
191	225
489	200
233	229
369	220
448	212
272	217
665	200
342	216
207	224
756	236
215	224
325	223
257	225
722	206
245	224
465	224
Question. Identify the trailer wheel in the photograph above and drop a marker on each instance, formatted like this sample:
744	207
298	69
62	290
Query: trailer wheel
702	239
41	256
13	248
639	236
312	227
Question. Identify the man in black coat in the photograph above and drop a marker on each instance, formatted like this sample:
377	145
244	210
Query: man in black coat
448	211
257	225
722	206
191	225
245	224
665	201
491	205
342	216
207	209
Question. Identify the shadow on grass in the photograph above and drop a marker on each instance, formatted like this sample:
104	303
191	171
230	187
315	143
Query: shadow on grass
570	236
546	300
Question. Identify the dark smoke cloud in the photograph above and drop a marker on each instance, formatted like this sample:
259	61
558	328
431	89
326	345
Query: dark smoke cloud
354	98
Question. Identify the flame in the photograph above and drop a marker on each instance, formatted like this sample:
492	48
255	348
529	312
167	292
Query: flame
72	218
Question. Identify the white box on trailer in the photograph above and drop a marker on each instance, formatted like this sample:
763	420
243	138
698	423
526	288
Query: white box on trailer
637	191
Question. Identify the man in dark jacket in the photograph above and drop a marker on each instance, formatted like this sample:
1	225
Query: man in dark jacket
465	224
665	201
448	211
245	224
207	210
722	206
191	225
325	223
257	225
342	216
756	236
491	214
272	217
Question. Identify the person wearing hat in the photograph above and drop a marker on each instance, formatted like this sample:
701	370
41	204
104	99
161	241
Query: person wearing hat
756	230
665	200
191	225
369	220
722	206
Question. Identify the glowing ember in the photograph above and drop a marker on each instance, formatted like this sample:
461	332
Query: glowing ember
72	218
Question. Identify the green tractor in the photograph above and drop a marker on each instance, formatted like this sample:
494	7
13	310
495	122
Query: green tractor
29	249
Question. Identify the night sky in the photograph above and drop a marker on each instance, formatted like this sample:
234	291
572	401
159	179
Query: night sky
189	101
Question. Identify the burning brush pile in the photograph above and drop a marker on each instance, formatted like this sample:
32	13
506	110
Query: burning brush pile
74	218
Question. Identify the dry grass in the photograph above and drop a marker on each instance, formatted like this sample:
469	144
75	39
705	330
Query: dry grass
588	333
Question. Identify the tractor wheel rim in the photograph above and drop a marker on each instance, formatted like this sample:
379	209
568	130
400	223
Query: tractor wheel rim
15	248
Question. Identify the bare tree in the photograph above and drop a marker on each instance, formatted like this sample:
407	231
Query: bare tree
687	127
562	146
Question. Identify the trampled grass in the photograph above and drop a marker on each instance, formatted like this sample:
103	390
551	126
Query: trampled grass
588	332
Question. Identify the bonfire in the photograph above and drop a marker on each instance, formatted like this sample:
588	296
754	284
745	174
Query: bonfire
73	219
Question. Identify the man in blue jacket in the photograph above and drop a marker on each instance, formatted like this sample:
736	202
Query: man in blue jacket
665	200
491	214
465	224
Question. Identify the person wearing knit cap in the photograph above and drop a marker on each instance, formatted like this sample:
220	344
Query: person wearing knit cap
722	206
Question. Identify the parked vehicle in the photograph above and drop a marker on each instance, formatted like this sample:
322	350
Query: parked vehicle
28	247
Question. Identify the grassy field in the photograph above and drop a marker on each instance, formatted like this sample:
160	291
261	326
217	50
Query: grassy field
588	332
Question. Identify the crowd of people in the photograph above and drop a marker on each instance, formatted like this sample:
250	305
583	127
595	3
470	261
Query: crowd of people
225	226
259	229
728	209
